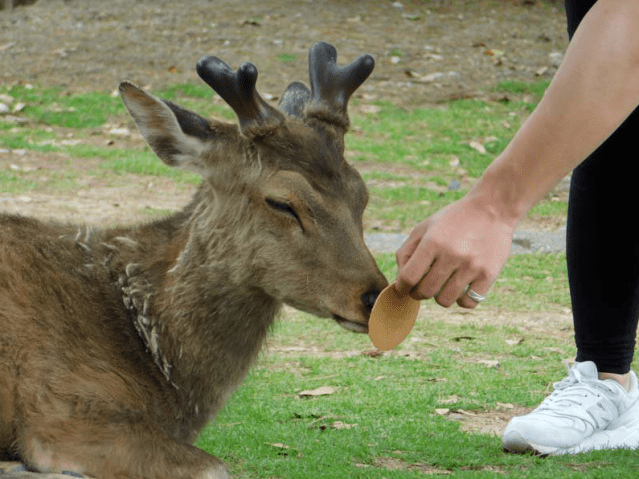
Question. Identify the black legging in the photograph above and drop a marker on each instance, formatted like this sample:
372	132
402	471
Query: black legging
602	251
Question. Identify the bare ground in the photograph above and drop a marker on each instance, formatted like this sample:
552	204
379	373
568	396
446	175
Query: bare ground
425	51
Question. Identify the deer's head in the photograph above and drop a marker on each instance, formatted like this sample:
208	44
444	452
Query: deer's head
277	197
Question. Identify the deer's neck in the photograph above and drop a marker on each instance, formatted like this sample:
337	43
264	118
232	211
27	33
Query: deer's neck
189	288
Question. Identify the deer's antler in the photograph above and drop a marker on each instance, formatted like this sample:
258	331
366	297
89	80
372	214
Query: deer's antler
332	85
237	88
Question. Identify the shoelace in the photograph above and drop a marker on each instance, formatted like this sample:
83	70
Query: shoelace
572	390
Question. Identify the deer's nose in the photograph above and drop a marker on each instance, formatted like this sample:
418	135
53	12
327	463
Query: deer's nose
369	299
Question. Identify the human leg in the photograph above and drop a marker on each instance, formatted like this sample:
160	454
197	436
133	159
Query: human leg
597	406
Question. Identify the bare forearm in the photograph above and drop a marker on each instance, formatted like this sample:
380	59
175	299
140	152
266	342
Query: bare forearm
595	89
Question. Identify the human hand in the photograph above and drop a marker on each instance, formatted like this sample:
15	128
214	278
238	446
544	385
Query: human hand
464	245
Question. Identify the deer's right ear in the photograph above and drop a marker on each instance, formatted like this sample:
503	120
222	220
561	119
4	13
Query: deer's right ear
177	136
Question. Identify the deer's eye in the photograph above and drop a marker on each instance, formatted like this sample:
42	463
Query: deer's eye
284	208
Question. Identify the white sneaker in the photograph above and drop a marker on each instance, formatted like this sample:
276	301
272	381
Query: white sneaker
583	414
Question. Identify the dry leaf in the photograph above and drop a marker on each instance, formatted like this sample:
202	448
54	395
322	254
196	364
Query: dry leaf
477	146
489	363
278	445
119	132
342	425
466	413
320	391
442	411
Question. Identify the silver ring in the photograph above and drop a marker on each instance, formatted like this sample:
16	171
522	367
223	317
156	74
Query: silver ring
478	298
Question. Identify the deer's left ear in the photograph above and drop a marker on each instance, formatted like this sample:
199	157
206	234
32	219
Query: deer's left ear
177	136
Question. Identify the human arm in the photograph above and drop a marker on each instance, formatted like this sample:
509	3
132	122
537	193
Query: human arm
594	90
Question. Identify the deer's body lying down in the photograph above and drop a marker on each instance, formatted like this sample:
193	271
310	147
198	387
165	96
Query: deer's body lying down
117	346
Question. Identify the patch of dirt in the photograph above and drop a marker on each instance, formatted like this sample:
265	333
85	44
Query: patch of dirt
425	52
487	422
96	199
396	464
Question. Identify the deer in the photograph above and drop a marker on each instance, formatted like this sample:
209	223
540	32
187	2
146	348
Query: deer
118	345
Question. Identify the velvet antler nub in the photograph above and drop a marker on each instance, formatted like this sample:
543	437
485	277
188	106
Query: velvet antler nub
237	88
332	85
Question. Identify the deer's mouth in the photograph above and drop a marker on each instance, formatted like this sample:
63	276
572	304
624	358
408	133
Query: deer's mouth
351	325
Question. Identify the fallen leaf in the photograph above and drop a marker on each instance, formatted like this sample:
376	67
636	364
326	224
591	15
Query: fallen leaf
451	400
320	391
466	413
475	145
119	131
283	449
489	363
278	445
342	425
442	411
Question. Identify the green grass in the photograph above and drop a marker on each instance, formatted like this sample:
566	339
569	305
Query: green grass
54	107
287	57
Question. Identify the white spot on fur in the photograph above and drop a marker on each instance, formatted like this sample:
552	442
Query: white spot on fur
126	241
132	269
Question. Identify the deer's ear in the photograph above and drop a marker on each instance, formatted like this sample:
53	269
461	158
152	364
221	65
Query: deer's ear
177	136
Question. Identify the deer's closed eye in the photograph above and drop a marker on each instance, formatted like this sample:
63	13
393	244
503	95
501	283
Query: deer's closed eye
284	208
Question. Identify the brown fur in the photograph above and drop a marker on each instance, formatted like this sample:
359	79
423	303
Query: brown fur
117	346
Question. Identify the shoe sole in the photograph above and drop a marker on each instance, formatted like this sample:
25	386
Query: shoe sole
619	438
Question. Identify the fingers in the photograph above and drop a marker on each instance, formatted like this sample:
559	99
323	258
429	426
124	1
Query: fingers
466	301
412	265
447	280
455	287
